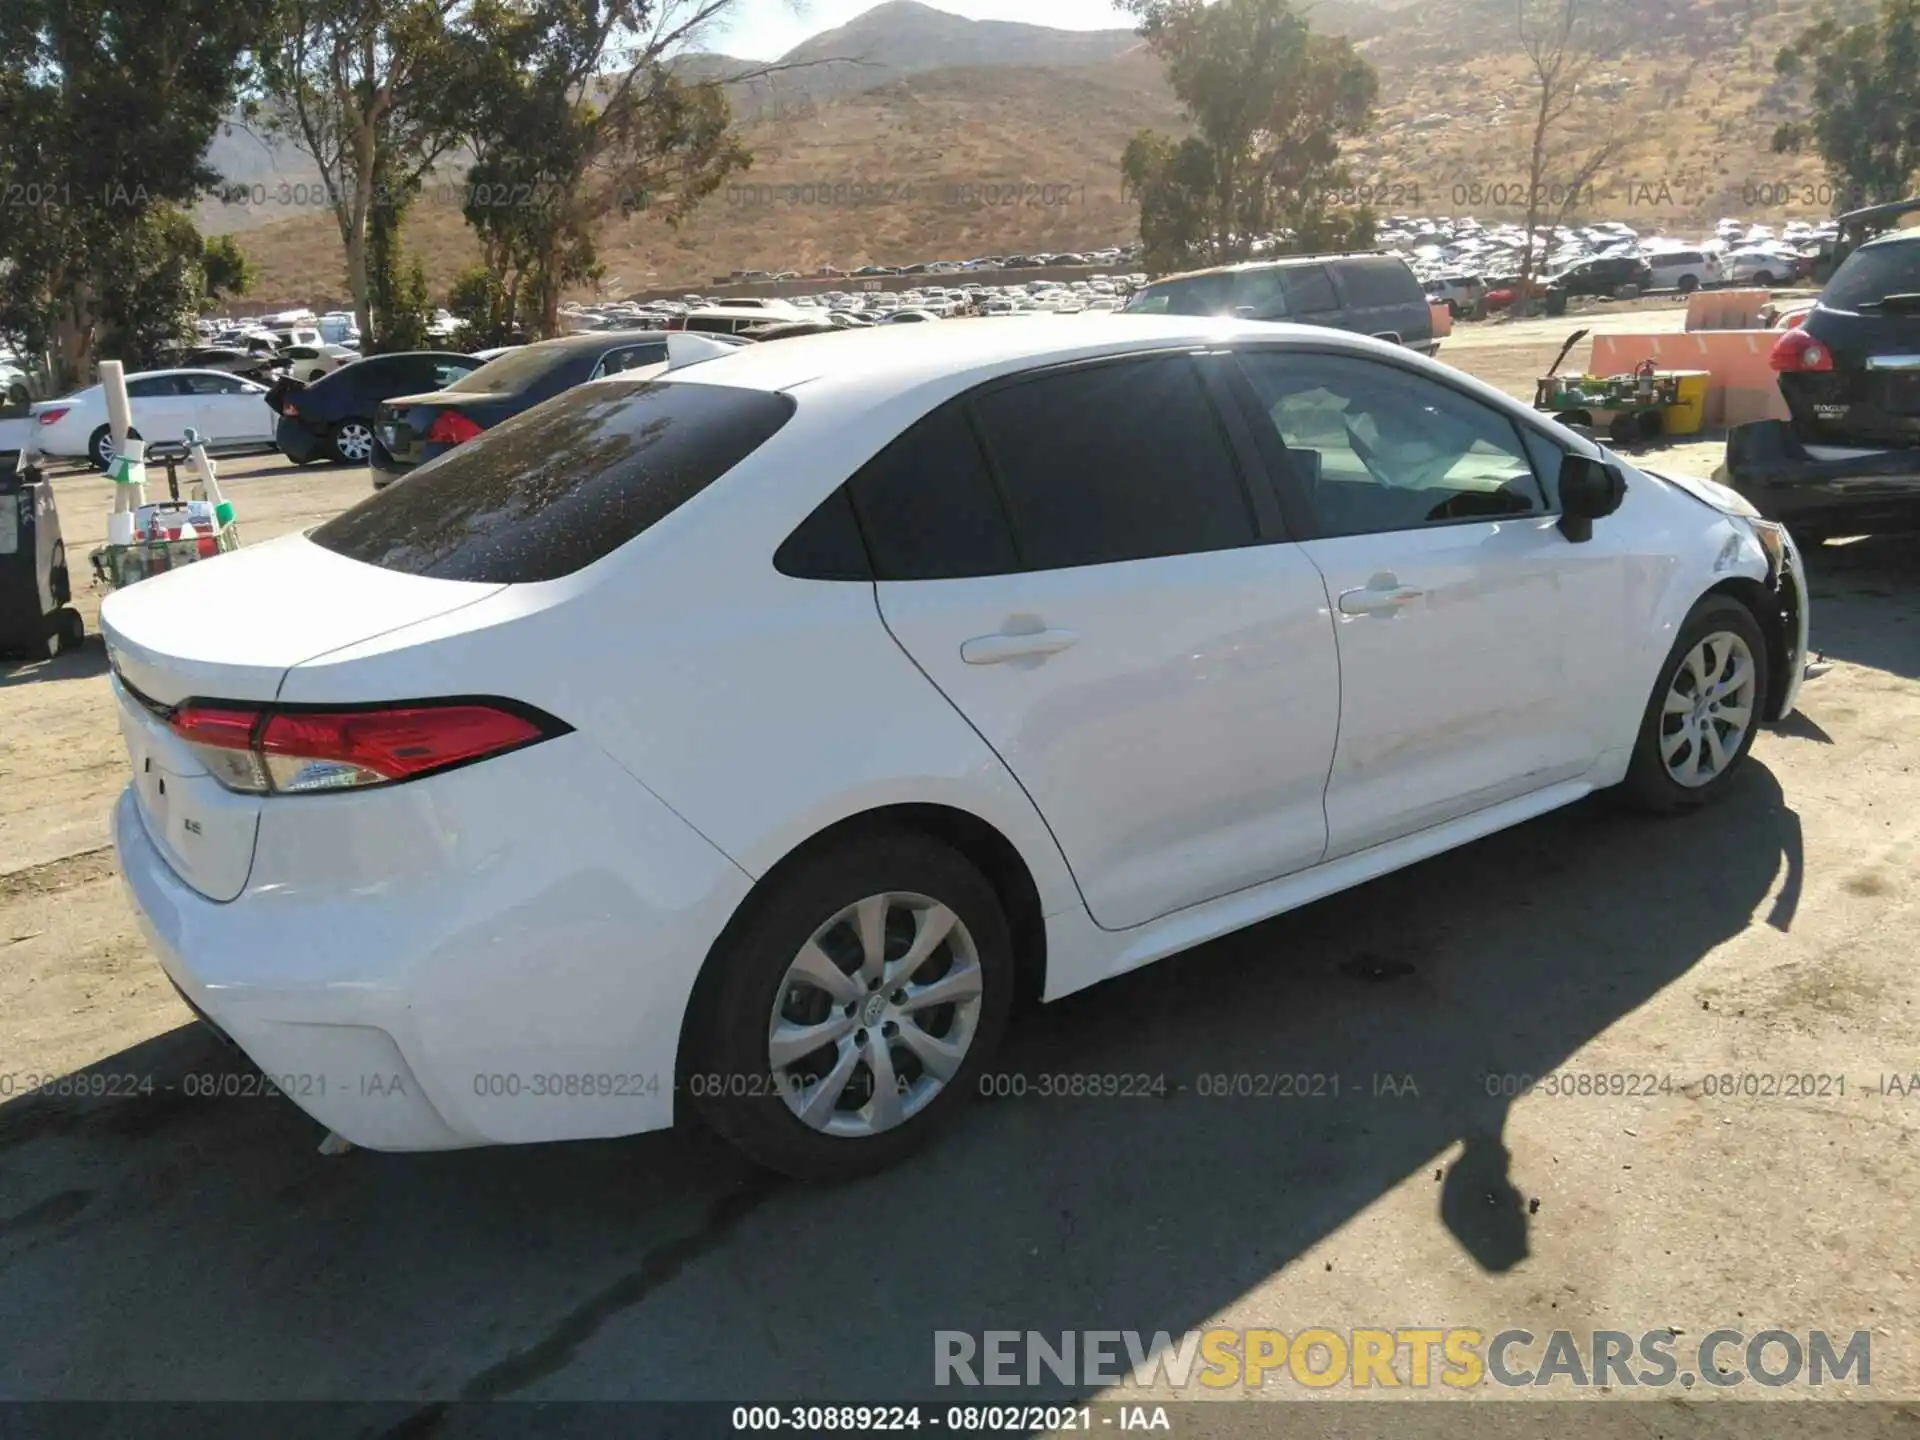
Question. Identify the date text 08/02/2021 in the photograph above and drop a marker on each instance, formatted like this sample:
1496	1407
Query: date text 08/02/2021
959	1419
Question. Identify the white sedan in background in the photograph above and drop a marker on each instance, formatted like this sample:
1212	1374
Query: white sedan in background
229	413
751	735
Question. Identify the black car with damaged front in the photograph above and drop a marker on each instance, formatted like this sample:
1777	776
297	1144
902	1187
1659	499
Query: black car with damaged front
1847	461
413	429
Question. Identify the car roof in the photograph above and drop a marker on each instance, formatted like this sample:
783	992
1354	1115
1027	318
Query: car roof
588	339
183	370
1908	236
886	360
1278	262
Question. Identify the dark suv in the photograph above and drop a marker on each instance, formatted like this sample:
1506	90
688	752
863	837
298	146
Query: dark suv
1603	275
1373	294
1848	461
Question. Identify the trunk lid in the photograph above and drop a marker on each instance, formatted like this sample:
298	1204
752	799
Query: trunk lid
230	629
402	423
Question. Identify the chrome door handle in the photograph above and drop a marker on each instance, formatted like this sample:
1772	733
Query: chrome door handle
1382	595
993	649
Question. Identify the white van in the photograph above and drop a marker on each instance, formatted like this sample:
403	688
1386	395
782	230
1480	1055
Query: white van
1682	270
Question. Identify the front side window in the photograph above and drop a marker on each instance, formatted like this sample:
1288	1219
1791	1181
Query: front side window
1114	462
1374	448
214	385
1194	295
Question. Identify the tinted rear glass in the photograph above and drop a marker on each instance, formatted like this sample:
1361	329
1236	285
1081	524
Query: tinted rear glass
1873	273
1380	282
557	487
521	369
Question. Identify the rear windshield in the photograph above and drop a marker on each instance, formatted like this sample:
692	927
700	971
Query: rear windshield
555	488
516	370
1874	272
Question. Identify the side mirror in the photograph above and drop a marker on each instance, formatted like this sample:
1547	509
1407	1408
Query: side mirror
1590	490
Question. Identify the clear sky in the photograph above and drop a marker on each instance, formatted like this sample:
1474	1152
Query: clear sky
767	29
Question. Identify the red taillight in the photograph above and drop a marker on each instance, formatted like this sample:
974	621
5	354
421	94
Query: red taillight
47	417
450	427
1797	353
287	407
290	752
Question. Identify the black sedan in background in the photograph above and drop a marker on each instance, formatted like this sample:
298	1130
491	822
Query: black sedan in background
1604	275
413	429
333	417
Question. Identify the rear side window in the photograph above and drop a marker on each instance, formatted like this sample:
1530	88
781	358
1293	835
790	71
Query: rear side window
1115	462
1874	272
1309	290
927	506
557	487
1380	282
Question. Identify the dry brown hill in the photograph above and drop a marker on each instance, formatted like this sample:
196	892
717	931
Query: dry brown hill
1009	156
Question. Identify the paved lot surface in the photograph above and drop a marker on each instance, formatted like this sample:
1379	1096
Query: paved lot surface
166	1245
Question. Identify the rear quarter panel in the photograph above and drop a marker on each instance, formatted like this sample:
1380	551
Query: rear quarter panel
760	708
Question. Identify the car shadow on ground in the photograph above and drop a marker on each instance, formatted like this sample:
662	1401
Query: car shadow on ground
83	663
1866	602
162	1244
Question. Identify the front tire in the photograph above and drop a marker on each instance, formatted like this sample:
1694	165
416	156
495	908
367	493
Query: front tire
860	998
1705	710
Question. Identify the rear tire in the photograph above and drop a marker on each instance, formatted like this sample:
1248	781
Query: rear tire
351	442
100	446
73	629
1705	710
867	902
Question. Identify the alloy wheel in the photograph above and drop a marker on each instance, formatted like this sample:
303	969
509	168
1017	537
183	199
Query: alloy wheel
1708	710
875	1014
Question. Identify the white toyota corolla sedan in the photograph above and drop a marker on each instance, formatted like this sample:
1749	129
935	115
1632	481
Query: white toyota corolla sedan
749	736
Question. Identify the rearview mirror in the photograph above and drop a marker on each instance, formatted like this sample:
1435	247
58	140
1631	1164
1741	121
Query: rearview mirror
1590	490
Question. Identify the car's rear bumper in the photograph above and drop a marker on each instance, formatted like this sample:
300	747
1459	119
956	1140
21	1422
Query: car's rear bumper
478	958
1824	491
297	440
386	469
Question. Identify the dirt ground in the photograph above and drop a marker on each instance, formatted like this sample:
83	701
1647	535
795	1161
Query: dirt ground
161	1245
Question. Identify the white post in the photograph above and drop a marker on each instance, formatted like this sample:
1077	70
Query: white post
129	469
113	381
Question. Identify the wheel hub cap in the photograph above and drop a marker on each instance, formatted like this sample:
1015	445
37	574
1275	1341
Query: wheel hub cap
1708	709
875	1014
